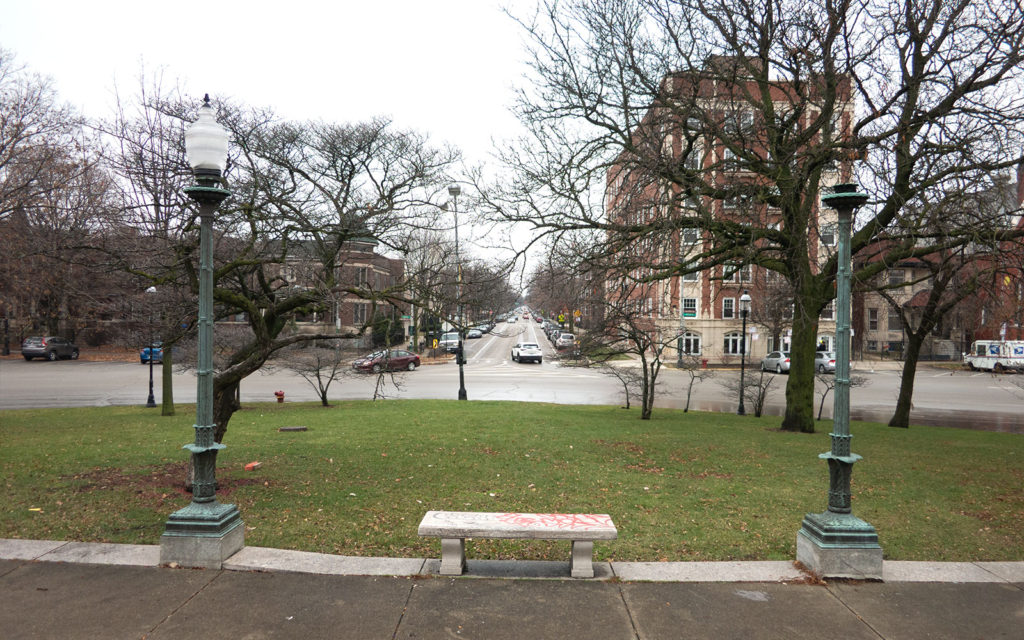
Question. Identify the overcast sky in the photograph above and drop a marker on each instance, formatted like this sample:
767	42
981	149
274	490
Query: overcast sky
442	67
445	68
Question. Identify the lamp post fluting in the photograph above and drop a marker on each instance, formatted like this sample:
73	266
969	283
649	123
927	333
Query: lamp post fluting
836	543
151	401
744	312
206	532
460	356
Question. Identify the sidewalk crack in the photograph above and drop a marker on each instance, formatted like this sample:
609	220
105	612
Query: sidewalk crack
632	622
405	607
856	615
187	600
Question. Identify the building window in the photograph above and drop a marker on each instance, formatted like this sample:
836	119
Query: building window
738	122
689	307
691	343
690	235
692	159
734	273
896	276
828	235
828	313
693	276
732	343
872	345
895	322
728	308
362	277
873	319
359	312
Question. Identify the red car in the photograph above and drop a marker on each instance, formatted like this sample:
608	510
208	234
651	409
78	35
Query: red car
384	360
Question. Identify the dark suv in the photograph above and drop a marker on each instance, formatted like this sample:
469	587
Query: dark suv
49	347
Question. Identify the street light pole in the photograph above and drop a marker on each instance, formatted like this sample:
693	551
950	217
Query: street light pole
744	312
836	543
151	401
460	358
206	532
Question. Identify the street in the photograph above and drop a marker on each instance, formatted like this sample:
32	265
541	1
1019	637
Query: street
942	397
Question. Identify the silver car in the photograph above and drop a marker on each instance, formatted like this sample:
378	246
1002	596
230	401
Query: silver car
49	348
825	362
777	361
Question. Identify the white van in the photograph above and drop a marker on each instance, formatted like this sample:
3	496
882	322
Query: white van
996	355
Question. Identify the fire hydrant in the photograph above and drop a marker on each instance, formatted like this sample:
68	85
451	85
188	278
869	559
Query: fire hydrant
280	396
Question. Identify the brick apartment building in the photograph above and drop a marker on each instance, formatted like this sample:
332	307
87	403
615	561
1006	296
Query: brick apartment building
705	305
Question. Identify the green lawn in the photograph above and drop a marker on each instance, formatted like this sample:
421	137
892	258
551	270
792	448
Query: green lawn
693	486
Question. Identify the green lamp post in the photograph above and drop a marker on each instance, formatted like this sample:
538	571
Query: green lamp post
206	532
836	543
454	191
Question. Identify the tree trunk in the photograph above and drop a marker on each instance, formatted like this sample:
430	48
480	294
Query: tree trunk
800	385
901	418
646	389
167	383
225	403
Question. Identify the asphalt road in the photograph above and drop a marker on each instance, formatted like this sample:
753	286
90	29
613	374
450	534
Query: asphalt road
941	397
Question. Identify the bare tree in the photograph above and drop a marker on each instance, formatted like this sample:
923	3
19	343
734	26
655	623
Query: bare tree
729	118
755	389
627	331
36	133
319	366
696	373
304	193
828	383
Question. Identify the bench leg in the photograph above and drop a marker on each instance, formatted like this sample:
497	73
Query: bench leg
582	564
453	556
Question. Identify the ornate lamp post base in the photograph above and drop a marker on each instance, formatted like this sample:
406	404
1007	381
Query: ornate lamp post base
839	545
203	534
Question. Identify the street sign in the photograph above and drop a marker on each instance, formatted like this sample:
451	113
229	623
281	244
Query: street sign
434	344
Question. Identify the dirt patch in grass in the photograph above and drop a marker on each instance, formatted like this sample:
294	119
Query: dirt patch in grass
631	447
152	486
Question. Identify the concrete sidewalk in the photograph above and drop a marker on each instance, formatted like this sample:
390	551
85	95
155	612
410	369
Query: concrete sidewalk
79	590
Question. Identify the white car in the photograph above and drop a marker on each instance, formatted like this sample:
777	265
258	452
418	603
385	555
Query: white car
565	340
527	352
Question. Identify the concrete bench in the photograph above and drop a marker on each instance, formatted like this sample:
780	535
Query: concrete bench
453	527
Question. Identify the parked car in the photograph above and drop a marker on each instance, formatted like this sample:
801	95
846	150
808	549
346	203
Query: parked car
825	362
49	347
527	352
473	334
449	342
565	340
387	360
154	352
777	361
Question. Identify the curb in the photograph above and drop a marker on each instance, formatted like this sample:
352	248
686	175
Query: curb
285	560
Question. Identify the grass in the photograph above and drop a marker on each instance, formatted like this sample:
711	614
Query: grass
693	486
